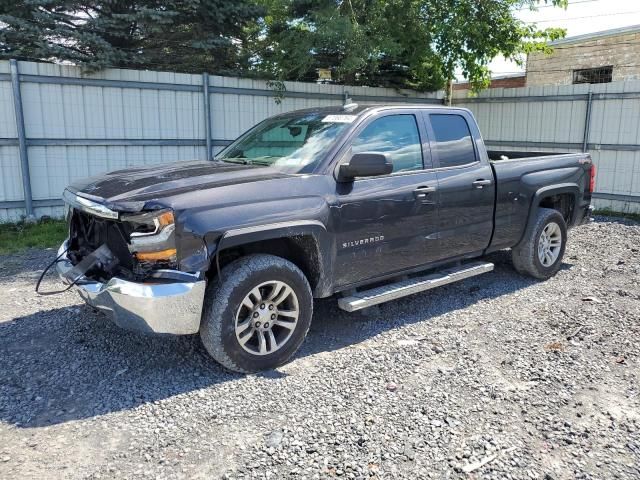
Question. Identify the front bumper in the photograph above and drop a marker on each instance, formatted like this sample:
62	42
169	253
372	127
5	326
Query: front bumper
173	307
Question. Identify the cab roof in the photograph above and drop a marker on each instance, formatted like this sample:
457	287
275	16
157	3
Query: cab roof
361	109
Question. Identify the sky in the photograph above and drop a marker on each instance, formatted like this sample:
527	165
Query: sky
582	16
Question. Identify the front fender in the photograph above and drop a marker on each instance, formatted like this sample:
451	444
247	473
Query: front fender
238	236
206	225
311	229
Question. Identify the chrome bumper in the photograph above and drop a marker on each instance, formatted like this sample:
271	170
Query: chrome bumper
172	307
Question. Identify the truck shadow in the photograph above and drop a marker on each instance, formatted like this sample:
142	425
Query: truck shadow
71	363
334	329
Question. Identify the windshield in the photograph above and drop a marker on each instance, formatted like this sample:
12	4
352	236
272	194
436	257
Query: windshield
295	143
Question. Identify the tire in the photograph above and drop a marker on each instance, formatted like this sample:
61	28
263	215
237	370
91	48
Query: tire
526	257
233	302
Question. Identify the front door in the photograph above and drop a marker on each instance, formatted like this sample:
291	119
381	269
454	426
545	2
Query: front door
387	224
465	184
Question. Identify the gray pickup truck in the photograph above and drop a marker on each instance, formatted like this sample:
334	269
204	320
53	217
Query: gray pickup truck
367	203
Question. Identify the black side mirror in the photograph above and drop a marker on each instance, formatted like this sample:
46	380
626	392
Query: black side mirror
365	164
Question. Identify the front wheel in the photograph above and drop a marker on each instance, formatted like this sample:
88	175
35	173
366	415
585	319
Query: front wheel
540	252
257	317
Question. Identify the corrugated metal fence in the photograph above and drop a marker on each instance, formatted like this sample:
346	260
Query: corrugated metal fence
58	125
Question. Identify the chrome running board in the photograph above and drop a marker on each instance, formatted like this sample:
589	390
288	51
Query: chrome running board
392	291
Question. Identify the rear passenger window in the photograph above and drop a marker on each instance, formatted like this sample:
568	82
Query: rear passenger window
453	140
395	135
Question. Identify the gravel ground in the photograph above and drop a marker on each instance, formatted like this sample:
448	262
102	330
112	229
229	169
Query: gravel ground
495	377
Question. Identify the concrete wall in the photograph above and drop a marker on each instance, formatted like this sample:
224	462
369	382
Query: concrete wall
622	51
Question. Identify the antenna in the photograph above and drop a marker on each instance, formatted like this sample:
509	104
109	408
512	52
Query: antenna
347	103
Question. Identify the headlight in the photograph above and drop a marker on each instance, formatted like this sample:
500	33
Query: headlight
153	236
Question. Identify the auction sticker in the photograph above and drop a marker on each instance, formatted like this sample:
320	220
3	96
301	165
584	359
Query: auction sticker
339	118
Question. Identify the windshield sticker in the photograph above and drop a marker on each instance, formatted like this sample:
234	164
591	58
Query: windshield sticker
339	118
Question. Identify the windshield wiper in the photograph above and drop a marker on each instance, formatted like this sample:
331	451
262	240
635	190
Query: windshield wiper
259	162
247	161
243	161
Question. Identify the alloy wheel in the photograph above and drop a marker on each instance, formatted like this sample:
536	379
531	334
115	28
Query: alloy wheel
549	244
267	317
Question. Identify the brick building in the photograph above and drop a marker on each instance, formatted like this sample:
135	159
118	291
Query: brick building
499	81
600	57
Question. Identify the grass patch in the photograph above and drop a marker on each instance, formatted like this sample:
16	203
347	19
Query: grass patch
16	237
611	213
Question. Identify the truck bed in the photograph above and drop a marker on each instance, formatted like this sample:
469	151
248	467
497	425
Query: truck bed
504	155
521	174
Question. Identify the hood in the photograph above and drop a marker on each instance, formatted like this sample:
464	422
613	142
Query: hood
140	185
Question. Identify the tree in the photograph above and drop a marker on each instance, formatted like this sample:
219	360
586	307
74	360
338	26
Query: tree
187	36
412	43
418	44
468	34
363	42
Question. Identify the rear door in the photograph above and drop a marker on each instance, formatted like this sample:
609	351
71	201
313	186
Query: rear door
387	224
465	183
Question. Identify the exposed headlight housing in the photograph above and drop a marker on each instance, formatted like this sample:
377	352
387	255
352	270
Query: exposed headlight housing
153	237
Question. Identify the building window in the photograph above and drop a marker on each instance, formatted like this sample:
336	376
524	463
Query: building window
593	75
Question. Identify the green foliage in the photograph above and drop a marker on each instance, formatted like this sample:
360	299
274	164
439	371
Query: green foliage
468	34
279	88
15	237
364	42
607	212
186	36
418	44
400	43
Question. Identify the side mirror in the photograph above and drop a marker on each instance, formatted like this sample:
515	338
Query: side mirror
365	164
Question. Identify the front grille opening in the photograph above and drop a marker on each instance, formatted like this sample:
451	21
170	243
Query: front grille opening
87	233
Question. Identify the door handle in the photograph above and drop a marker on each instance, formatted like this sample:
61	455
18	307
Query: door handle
422	192
481	183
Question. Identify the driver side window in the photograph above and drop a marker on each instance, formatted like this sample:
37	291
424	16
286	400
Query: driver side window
395	135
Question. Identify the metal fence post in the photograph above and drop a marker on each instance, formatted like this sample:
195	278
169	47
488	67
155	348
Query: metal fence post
587	124
207	113
22	140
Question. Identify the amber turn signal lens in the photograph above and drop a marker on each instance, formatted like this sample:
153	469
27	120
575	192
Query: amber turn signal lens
169	254
165	219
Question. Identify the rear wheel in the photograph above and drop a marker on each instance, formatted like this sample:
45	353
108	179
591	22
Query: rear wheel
540	252
257	317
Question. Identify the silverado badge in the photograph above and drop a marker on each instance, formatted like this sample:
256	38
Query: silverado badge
363	241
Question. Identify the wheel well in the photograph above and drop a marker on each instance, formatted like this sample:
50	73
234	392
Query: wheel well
562	202
301	250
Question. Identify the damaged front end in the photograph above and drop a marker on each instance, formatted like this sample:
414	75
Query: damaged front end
126	264
142	243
